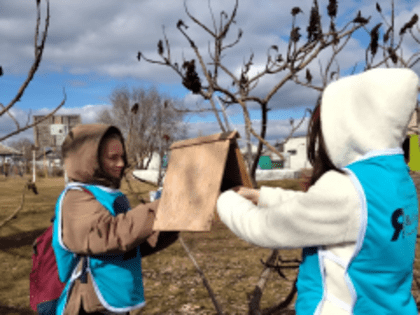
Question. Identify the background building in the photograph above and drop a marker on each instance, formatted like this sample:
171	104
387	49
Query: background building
50	133
48	138
295	154
10	161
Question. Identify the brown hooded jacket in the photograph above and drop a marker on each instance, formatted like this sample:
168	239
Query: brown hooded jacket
87	227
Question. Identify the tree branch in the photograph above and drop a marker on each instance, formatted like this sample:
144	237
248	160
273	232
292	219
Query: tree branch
228	24
37	122
19	208
38	56
202	275
197	21
255	297
11	116
283	304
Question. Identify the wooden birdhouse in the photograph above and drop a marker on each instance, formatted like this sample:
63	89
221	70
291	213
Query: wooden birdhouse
198	170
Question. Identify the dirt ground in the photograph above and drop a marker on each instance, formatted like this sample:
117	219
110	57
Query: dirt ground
232	285
172	285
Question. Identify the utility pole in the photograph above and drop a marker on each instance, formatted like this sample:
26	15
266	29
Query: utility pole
45	163
33	165
160	145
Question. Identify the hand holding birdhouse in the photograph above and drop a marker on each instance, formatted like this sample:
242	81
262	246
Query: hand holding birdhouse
248	193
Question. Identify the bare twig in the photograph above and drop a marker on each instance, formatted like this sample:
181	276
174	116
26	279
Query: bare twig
197	21
38	51
294	128
202	275
11	116
255	297
38	56
38	121
283	304
19	208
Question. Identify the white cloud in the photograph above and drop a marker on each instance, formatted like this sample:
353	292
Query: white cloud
104	36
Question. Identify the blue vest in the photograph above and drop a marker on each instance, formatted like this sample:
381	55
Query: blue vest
117	278
379	274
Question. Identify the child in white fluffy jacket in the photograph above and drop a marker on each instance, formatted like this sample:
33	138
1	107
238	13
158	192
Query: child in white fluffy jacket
357	223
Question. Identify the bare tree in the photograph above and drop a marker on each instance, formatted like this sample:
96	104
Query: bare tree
23	145
298	56
39	45
290	64
147	119
398	48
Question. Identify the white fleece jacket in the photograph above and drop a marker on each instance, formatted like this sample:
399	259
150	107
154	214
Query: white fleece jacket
361	115
328	213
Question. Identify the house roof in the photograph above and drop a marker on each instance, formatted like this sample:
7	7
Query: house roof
5	150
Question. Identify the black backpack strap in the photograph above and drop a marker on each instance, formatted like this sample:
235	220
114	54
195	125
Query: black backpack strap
83	276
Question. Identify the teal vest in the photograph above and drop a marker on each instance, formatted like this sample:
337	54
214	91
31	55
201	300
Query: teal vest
379	274
117	278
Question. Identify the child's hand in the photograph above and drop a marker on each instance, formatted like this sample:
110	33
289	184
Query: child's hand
248	193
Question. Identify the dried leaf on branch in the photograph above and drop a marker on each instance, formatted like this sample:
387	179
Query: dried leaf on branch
360	19
294	35
296	11
191	79
374	38
308	76
409	25
393	55
387	34
314	29
160	47
332	8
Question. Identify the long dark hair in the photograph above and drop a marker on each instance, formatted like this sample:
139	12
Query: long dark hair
316	149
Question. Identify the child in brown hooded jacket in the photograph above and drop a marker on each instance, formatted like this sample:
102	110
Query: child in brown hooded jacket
95	222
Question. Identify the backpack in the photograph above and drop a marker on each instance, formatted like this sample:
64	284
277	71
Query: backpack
45	286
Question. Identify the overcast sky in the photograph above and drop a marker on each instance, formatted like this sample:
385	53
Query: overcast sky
92	48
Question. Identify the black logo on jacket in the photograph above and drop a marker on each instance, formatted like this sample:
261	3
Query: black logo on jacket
403	223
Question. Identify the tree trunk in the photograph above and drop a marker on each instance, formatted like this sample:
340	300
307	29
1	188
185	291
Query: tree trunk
260	144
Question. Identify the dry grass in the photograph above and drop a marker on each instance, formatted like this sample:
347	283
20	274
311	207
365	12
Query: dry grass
172	285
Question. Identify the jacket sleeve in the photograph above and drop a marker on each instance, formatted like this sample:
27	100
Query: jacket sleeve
89	229
164	240
328	213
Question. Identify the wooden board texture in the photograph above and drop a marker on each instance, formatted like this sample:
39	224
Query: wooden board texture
198	170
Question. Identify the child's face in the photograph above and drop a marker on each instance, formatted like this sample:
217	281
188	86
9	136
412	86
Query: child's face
112	159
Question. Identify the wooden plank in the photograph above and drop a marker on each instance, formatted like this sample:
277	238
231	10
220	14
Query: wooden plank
191	187
198	170
245	179
235	173
206	139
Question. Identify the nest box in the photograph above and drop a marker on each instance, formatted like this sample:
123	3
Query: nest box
198	170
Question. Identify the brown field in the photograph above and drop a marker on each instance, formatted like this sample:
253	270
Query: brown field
172	285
